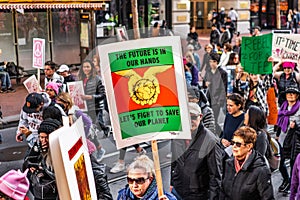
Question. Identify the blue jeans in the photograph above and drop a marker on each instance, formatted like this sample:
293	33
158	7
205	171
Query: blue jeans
5	80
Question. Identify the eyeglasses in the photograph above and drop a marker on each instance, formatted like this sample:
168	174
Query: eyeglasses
238	144
139	181
194	117
287	68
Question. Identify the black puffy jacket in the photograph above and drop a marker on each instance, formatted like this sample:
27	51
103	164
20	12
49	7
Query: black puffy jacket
252	182
291	145
196	174
102	188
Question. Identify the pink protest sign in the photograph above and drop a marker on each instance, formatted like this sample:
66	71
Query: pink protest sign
38	53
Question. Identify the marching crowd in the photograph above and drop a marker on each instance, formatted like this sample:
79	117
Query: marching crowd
227	158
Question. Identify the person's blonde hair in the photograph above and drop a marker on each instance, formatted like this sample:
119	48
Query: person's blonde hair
142	162
66	98
190	54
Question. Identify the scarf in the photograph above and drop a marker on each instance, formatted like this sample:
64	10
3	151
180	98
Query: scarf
239	166
284	114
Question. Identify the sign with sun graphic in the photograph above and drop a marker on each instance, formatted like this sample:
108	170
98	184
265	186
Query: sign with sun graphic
146	90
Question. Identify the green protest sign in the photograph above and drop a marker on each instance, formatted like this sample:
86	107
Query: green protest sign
255	52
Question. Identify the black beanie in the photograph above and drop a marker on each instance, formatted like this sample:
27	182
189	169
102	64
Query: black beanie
49	125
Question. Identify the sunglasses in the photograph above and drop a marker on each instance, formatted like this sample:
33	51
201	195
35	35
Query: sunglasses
194	117
139	181
238	144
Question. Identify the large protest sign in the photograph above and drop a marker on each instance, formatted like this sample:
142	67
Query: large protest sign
146	90
71	162
286	47
255	53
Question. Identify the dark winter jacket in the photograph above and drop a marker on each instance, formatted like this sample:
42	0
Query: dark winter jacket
196	174
214	36
95	88
224	38
283	83
252	182
102	188
291	144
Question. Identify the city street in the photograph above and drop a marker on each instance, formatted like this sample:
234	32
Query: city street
11	154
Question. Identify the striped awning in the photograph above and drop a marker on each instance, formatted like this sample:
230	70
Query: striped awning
45	6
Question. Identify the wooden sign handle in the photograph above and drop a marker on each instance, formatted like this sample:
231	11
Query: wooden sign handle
157	168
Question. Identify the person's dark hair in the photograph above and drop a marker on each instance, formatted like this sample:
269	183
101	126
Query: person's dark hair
237	100
51	64
52	112
215	57
231	59
81	74
257	118
155	25
223	26
248	134
213	25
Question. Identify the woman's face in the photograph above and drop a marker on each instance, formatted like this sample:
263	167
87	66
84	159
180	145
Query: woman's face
236	59
254	77
44	140
288	70
189	58
87	68
291	97
208	49
232	108
240	149
138	181
50	92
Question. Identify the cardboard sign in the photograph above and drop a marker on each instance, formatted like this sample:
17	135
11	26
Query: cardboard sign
75	89
38	59
71	162
32	84
286	47
147	96
255	53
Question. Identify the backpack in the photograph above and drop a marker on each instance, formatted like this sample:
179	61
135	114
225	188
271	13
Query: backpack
274	154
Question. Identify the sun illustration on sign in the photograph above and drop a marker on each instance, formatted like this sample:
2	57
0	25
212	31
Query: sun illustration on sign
144	90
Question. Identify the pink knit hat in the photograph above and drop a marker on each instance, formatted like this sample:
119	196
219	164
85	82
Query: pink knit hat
54	86
288	65
14	184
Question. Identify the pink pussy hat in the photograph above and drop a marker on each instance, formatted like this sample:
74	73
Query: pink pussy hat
54	86
288	65
14	184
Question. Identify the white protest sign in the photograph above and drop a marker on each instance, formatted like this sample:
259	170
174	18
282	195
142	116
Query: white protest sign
38	59
146	90
71	162
286	47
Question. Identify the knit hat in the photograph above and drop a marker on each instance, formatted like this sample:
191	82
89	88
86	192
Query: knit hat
184	61
288	65
194	108
54	86
14	184
49	125
33	100
292	89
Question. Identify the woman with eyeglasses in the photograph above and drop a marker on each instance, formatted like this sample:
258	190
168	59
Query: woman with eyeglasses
246	175
141	182
285	78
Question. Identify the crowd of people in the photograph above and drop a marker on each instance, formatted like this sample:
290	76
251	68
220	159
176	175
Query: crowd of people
228	156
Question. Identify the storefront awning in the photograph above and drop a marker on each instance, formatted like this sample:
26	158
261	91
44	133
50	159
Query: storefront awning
44	4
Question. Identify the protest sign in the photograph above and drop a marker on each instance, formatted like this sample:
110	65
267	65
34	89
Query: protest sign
147	97
38	59
71	162
75	89
32	84
286	47
255	53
